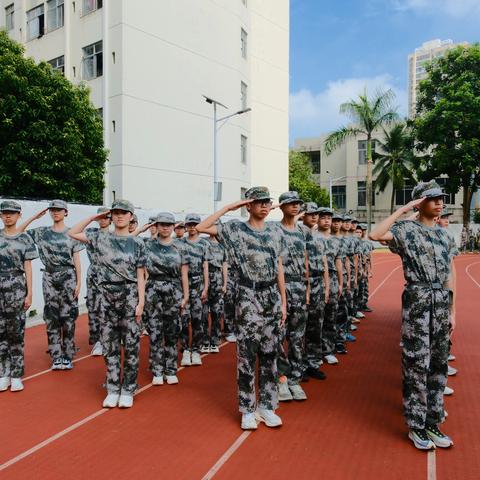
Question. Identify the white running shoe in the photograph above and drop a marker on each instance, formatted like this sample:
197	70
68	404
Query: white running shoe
451	358
249	422
331	359
171	379
186	359
452	371
57	364
448	390
205	349
111	400
214	349
157	380
125	400
16	385
4	383
269	417
231	338
353	328
196	360
297	392
438	437
284	394
97	350
359	315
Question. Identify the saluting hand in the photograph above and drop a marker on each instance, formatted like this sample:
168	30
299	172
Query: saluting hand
40	214
414	203
102	215
239	204
146	227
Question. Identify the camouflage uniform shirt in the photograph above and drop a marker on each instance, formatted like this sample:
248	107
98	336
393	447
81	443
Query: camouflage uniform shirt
14	251
165	260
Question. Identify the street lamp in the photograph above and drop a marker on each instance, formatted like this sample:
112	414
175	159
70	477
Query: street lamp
217	186
330	185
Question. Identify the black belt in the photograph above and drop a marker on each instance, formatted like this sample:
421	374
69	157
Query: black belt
59	268
161	278
11	273
432	285
246	282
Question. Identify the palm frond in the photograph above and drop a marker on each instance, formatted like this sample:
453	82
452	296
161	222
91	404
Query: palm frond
337	138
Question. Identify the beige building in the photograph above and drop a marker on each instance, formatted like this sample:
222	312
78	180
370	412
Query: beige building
148	64
416	66
346	170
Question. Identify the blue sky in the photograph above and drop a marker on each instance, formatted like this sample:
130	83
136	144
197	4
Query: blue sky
337	47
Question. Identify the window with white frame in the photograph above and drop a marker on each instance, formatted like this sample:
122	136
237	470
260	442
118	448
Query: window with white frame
35	23
243	149
91	5
9	12
58	64
339	196
362	151
362	194
55	16
243	40
243	95
93	61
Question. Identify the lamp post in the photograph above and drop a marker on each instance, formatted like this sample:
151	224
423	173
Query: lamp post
330	186
217	186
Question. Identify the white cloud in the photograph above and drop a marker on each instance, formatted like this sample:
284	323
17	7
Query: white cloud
316	113
453	8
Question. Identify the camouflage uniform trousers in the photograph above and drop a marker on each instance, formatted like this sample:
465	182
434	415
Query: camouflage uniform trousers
120	328
259	313
314	330
163	302
12	324
60	311
213	306
343	317
362	286
230	302
353	294
365	293
330	334
425	337
93	306
193	316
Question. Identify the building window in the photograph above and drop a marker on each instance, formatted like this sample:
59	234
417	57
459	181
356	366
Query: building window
58	64
9	11
314	157
362	151
339	196
91	5
243	95
243	210
35	22
404	195
243	40
243	149
54	14
362	194
450	200
93	61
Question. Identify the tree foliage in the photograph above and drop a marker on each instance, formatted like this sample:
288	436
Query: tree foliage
51	137
302	181
447	126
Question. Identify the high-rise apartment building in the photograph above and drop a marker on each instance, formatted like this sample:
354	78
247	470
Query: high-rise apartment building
148	64
416	66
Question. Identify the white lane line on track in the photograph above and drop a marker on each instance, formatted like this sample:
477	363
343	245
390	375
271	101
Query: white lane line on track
76	425
43	372
431	465
242	437
468	273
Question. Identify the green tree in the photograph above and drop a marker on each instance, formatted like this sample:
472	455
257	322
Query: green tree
447	125
393	158
51	137
367	115
302	181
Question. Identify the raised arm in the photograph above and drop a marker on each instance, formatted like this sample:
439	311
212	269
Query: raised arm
27	222
142	229
208	224
77	231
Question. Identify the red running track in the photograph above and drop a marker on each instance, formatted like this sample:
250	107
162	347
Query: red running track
349	428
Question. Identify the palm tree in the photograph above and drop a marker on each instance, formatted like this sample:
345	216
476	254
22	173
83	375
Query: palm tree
394	160
367	115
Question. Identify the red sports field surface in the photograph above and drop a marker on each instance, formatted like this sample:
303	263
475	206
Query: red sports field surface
349	428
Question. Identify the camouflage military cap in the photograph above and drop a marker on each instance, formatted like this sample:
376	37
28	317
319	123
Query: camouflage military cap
58	204
289	197
445	213
10	206
180	225
337	216
311	207
354	220
102	209
123	205
258	193
363	226
165	217
325	211
192	218
347	218
429	189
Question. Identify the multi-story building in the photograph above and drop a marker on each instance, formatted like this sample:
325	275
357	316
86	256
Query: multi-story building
148	64
416	66
345	169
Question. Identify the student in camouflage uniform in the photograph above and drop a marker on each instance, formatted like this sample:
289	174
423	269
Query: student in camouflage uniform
179	230
121	268
217	287
197	251
93	291
355	312
166	297
17	251
328	221
61	282
428	304
367	253
261	307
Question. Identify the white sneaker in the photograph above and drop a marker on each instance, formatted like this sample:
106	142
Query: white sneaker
145	332
4	383
171	379
16	385
196	360
186	359
97	350
331	359
205	349
111	400
451	358
359	315
452	371
284	394
249	421
125	400
269	417
57	364
445	413
231	338
214	349
297	392
448	390
353	328
157	380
